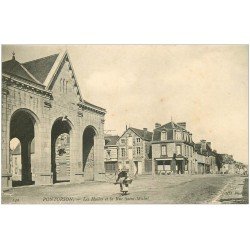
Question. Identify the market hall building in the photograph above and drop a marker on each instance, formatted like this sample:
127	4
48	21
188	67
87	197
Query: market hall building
42	105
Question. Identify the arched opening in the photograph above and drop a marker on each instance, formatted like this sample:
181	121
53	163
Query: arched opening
60	150
15	161
22	133
88	143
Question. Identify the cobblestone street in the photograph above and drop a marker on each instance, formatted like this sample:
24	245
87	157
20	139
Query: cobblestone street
179	189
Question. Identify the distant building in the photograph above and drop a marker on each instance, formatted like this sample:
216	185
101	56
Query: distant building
62	156
111	153
134	151
205	158
16	161
169	139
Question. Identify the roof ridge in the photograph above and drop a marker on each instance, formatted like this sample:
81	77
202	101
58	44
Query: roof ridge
141	129
30	74
41	58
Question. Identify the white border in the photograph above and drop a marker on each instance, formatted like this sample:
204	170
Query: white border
142	226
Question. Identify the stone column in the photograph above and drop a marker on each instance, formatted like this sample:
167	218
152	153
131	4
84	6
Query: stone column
43	175
99	170
76	165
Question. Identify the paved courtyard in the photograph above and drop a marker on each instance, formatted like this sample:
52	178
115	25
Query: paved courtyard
179	189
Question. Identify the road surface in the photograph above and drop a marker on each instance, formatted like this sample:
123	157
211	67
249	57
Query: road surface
179	189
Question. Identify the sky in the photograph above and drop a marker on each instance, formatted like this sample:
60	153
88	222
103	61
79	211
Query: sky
205	86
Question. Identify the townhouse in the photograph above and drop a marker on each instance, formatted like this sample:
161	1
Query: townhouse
172	139
111	153
205	158
134	151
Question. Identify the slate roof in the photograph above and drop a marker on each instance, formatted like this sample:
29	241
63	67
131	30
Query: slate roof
172	125
167	126
41	67
33	71
40	72
111	140
145	135
14	68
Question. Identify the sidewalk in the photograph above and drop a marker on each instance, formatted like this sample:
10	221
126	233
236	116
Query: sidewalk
234	192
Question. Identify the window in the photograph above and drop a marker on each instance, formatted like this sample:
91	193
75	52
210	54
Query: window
123	152
178	135
110	167
138	150
138	139
66	85
108	154
130	141
163	135
163	150
185	136
122	141
178	149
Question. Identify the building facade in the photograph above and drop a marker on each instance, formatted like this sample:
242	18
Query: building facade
134	151
205	158
169	140
111	153
41	101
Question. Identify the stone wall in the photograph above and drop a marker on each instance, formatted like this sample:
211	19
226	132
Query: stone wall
45	111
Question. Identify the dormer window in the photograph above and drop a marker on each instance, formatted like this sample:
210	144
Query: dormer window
163	135
178	135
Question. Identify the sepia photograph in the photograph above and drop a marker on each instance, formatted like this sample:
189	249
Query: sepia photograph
124	124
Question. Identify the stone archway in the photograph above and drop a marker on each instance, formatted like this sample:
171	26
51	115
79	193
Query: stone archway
88	153
22	127
60	150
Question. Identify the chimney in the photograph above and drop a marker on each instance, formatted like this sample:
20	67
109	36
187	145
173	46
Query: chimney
182	124
203	144
209	144
157	125
145	131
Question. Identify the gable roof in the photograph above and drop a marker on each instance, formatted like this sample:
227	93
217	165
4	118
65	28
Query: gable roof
55	69
145	135
41	67
111	140
42	72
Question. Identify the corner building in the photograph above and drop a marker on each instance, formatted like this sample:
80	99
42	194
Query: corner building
41	101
